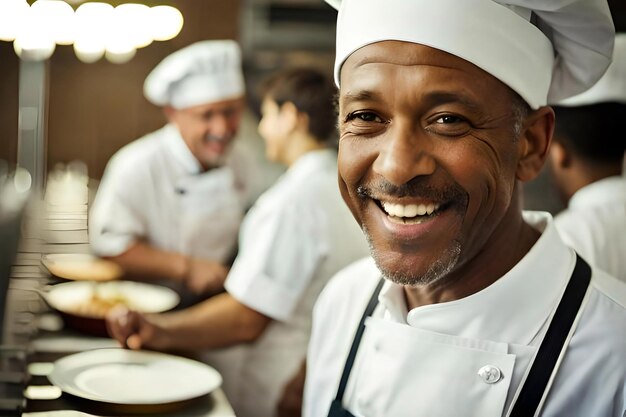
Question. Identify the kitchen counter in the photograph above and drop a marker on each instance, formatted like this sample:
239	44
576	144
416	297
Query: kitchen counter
51	346
33	333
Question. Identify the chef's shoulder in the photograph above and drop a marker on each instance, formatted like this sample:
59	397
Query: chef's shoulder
347	293
575	223
137	156
611	288
318	189
596	352
608	301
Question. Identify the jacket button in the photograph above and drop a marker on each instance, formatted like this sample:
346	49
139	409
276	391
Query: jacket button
490	374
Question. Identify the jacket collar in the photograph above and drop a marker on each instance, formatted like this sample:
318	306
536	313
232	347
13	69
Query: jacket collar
180	151
513	309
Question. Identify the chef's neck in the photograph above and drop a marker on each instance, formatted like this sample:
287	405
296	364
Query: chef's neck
208	166
299	144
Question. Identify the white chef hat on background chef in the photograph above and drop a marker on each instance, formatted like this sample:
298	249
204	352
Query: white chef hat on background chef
612	85
204	72
610	89
545	50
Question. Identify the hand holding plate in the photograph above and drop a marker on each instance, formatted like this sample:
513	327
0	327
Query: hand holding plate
134	330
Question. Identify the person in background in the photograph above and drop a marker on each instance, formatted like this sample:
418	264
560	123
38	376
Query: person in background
586	160
170	204
296	236
481	309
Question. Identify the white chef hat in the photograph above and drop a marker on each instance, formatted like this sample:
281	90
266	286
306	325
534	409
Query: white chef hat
612	85
204	72
545	50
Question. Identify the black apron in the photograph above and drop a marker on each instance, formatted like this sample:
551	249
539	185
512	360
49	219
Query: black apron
542	367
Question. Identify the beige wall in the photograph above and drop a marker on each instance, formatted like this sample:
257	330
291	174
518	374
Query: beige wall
9	67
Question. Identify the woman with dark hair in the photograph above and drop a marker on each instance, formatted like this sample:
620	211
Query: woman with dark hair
297	235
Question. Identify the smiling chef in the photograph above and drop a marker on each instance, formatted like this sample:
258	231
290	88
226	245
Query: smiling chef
468	306
170	203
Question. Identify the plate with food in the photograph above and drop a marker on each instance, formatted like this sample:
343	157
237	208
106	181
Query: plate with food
81	267
134	378
84	304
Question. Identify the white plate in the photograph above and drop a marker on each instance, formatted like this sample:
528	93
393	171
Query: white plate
121	376
81	267
68	297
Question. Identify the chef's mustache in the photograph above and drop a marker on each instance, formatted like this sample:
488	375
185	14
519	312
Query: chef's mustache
217	138
418	188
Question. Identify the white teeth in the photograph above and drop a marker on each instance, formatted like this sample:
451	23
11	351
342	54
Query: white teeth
396	210
411	210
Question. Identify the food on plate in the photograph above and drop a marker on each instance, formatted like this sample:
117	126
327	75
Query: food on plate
91	299
102	300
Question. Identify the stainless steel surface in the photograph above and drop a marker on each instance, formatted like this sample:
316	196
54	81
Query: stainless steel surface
31	141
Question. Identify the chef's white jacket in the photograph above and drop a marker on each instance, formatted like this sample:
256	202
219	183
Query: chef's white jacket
154	189
594	224
297	235
425	362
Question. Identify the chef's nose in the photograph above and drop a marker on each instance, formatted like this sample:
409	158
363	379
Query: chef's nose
404	156
220	125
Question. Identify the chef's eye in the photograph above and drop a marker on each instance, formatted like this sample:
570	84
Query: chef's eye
207	115
448	125
364	116
230	112
448	119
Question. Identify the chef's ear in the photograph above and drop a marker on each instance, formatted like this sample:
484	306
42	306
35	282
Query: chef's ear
534	143
288	112
169	113
296	118
560	156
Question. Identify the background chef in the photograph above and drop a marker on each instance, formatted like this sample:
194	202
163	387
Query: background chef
586	165
442	116
297	235
170	203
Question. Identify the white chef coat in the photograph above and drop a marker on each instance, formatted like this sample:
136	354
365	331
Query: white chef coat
297	235
594	224
154	189
425	362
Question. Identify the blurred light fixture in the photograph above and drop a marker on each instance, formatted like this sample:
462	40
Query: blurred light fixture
22	180
120	47
119	52
132	20
56	19
95	29
32	48
166	22
33	40
88	50
93	23
12	15
120	57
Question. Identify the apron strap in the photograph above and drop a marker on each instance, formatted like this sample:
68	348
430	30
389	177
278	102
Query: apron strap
544	367
554	344
357	341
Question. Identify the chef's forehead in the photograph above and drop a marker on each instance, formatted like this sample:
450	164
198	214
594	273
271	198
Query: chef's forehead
542	49
366	72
